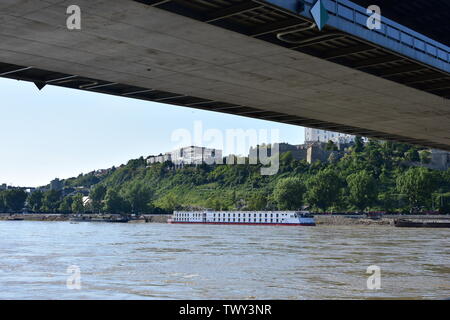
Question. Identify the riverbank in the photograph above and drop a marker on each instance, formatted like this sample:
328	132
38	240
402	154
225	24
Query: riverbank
331	220
148	218
327	220
362	220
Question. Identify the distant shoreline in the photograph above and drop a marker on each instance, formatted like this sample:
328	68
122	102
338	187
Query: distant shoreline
67	217
325	220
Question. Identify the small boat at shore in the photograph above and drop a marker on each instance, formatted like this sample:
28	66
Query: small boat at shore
404	223
15	219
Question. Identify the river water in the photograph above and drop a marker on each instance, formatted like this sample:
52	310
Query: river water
161	261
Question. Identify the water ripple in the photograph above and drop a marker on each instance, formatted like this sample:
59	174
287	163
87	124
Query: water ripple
160	261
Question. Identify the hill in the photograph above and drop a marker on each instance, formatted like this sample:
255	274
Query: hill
372	176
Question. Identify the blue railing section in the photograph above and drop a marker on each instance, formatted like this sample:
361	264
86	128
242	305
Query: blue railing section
352	18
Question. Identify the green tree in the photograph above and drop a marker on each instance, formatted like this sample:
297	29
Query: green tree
35	200
387	201
114	203
417	184
257	201
323	189
77	204
2	202
215	204
359	144
288	193
14	199
362	189
442	203
51	201
66	205
139	195
374	157
97	194
169	203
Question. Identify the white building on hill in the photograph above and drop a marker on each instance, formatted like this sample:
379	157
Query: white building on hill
318	135
189	155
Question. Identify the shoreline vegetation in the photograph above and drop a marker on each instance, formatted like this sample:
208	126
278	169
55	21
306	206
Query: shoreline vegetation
148	218
377	176
321	219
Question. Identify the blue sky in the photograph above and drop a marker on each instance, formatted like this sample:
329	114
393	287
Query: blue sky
60	132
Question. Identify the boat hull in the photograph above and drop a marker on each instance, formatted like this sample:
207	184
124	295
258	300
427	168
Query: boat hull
245	223
415	224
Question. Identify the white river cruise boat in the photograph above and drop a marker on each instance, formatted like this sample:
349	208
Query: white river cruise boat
278	218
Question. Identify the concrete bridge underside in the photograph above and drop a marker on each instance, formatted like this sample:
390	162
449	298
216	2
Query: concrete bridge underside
153	52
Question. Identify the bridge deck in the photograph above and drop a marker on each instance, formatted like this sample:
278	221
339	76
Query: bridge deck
225	56
394	52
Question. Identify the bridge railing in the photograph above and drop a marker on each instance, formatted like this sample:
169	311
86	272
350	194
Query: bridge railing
345	10
349	11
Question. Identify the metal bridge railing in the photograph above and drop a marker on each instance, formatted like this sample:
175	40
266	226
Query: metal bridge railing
349	11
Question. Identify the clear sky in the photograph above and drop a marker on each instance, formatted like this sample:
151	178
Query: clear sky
60	132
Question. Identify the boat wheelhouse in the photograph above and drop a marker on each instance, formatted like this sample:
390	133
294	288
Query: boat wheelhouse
297	218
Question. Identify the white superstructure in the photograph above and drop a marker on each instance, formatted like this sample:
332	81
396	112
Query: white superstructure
244	217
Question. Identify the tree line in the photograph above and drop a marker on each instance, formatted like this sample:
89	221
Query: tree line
375	176
136	198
